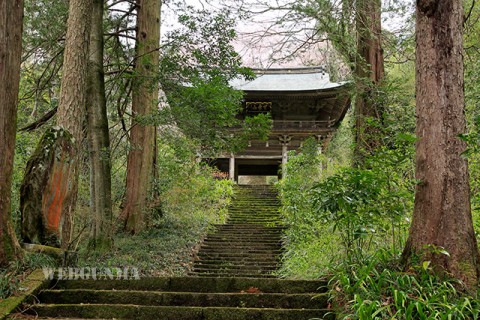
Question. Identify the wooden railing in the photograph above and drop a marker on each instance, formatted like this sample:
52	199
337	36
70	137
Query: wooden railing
301	125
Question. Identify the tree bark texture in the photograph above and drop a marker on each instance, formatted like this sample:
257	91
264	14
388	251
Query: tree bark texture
59	189
98	137
144	102
442	216
44	187
11	25
369	73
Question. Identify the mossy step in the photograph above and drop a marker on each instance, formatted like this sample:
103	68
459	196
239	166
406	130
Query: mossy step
241	257
250	271
233	267
231	243
240	247
245	234
232	246
96	311
265	232
259	222
154	298
194	284
270	262
234	274
242	240
236	251
252	230
235	256
246	226
261	203
235	264
254	235
255	220
254	214
249	218
227	268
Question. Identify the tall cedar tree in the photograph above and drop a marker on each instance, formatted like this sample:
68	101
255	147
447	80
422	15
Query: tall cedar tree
442	229
11	23
144	101
369	73
49	188
98	137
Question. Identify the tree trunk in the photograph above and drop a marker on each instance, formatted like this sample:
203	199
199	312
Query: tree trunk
369	74
442	218
11	24
144	102
57	188
98	138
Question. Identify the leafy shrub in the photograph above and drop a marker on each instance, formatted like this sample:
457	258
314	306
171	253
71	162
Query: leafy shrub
379	289
10	277
365	207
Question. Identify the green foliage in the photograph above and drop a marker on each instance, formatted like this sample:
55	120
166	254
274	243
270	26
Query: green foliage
379	289
195	71
10	277
187	201
308	244
165	250
345	214
472	94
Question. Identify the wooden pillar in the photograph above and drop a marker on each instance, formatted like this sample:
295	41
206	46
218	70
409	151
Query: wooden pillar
284	140
284	159
319	150
232	167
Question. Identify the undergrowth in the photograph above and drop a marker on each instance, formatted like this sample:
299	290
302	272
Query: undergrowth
378	288
11	277
350	224
166	250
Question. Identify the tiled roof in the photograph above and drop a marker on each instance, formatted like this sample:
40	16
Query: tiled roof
290	79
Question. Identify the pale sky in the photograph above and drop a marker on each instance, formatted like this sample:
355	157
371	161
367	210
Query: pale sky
259	52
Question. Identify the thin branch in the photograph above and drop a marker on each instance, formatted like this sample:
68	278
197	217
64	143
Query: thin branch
40	122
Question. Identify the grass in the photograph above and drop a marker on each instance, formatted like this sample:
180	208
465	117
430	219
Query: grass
11	277
167	250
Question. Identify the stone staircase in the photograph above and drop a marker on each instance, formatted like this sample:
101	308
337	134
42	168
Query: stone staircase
249	244
233	279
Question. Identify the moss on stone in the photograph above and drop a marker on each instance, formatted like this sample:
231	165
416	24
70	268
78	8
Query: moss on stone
31	285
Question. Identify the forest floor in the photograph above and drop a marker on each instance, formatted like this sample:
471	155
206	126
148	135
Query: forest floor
166	250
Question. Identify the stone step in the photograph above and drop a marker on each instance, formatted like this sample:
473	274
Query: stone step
247	232
235	252
248	236
232	256
239	256
241	241
154	298
245	226
139	312
196	284
234	265
238	262
231	274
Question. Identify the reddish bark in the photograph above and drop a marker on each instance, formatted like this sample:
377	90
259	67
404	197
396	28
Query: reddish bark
442	218
11	15
144	102
369	73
